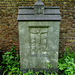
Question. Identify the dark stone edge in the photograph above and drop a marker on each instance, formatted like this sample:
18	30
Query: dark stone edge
31	7
39	20
38	70
44	14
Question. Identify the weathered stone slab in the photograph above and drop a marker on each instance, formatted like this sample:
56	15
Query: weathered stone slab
38	36
39	44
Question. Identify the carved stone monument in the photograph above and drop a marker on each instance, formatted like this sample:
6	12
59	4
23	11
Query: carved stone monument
38	36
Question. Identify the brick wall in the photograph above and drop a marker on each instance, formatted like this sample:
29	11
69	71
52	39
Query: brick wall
9	26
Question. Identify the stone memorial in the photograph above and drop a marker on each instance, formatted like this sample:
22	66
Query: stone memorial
38	36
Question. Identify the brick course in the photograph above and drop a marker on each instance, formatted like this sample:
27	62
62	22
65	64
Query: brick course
9	26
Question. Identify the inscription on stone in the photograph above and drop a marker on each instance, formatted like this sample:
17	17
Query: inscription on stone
38	40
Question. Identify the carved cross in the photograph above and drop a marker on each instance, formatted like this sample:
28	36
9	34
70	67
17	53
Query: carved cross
39	39
39	7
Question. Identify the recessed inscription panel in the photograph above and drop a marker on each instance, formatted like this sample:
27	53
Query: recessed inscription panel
38	40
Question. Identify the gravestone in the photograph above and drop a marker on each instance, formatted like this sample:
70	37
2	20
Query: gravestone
38	36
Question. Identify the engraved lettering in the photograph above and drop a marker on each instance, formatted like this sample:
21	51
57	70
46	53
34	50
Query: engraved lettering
38	40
